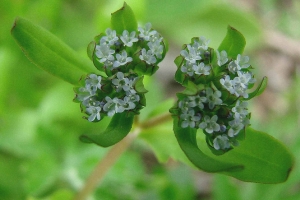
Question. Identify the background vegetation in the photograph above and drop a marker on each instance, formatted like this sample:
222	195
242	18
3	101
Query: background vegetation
40	154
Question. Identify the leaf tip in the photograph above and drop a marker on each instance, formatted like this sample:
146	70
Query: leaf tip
14	24
85	139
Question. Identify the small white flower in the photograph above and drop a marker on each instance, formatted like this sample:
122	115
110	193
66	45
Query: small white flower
94	82
210	124
185	105
121	82
147	56
127	39
227	84
156	37
233	66
221	142
201	69
84	93
189	119
204	42
146	32
113	106
240	108
188	69
238	64
104	53
236	126
239	88
156	48
244	79
122	59
110	38
196	101
222	57
133	96
201	44
243	61
128	103
213	98
191	55
94	112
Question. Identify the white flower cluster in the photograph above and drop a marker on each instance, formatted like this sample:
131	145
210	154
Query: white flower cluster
194	56
238	85
113	52
119	56
154	43
219	109
96	105
106	52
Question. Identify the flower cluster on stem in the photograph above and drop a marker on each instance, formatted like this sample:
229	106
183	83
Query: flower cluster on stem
120	56
218	104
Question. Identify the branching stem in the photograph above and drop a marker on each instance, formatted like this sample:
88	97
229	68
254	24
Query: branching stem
115	152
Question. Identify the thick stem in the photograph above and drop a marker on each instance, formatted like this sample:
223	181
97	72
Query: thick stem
156	121
105	164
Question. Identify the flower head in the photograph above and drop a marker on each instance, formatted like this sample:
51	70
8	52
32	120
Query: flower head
94	112
201	69
213	98
221	142
189	119
210	124
222	57
191	55
147	56
111	36
188	69
104	53
121	82
146	32
122	59
128	39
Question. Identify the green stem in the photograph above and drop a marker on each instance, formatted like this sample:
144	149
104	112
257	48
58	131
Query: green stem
115	152
156	120
105	164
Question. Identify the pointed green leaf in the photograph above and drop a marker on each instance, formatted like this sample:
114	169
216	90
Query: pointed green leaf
233	43
264	158
91	49
118	128
260	89
48	52
123	19
139	85
186	138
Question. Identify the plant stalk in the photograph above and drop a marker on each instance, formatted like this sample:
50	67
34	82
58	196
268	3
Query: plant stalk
105	164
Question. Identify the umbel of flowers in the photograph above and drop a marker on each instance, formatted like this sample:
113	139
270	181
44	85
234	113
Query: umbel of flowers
217	92
124	59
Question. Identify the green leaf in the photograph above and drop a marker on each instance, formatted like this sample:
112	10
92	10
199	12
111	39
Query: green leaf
90	49
264	158
123	19
118	128
139	85
260	89
48	52
233	43
186	138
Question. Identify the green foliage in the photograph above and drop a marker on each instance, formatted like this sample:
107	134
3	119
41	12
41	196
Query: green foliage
39	124
233	43
118	128
123	19
48	52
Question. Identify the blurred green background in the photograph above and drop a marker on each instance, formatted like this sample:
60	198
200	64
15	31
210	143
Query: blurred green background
40	154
